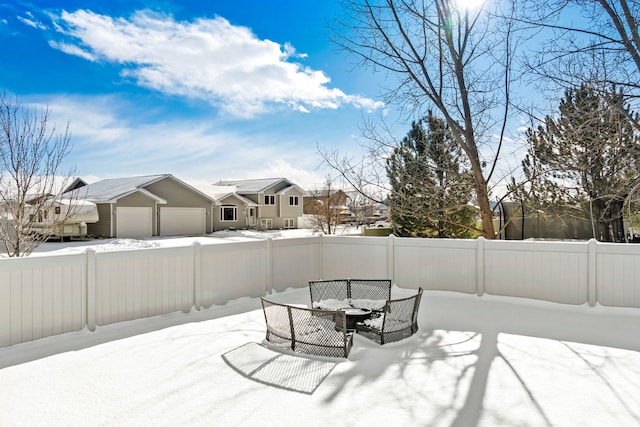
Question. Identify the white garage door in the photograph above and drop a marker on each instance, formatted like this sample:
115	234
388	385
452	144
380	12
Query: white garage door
182	221
133	222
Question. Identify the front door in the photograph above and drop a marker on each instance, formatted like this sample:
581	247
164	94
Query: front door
251	217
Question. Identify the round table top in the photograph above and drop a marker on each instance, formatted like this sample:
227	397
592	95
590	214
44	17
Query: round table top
350	311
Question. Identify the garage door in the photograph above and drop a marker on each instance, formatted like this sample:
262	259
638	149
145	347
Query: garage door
182	221
134	223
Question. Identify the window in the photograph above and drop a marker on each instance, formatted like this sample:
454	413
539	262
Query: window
228	213
269	199
266	223
288	223
57	210
293	200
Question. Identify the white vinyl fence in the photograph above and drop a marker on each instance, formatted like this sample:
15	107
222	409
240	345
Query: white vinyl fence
50	295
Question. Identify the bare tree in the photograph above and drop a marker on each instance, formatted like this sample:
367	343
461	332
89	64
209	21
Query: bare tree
363	209
323	207
456	61
594	42
31	156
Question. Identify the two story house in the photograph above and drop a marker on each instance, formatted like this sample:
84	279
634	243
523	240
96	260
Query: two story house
267	203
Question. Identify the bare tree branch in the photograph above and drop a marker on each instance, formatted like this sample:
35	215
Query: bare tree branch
31	156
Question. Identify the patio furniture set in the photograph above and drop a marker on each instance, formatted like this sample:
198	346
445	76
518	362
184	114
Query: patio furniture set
341	308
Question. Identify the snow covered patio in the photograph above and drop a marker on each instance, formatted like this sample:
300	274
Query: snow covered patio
476	361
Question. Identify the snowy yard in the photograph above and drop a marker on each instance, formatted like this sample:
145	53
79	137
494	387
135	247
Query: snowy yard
476	361
118	244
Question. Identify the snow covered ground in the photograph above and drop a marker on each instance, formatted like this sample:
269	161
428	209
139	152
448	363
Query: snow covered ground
476	361
118	244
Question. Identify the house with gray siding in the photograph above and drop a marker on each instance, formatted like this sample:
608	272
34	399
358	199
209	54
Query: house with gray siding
145	206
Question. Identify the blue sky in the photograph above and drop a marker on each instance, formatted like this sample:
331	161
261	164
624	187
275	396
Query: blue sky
204	90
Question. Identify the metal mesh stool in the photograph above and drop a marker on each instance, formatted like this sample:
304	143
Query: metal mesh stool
398	320
307	330
341	289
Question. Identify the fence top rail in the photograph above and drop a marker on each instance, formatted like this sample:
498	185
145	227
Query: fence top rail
548	245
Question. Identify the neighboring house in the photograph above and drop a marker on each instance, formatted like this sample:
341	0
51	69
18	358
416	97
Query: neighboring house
145	206
327	207
350	206
315	200
277	202
62	217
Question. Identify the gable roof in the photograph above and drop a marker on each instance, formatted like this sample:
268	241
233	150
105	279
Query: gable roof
247	186
323	192
285	190
110	190
247	202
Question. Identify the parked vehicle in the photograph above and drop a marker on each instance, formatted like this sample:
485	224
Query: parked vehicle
381	224
67	218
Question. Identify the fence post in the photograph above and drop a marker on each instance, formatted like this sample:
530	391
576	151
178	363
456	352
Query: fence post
391	244
197	276
480	265
91	289
269	264
321	257
592	263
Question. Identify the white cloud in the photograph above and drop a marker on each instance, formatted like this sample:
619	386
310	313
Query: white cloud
31	23
71	50
110	140
208	59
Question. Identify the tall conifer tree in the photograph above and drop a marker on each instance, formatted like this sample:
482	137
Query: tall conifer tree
586	160
431	185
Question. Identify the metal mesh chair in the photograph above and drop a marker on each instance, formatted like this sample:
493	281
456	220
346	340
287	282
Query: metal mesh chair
306	330
329	289
370	289
341	289
398	320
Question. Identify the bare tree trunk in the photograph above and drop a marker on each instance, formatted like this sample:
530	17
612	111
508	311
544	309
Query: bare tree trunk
440	56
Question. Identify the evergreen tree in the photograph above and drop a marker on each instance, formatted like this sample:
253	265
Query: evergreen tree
430	184
585	161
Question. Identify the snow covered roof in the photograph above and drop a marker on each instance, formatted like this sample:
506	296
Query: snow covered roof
254	185
291	187
246	201
109	190
323	192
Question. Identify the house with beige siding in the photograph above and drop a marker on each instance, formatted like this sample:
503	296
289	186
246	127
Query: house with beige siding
145	206
233	211
278	202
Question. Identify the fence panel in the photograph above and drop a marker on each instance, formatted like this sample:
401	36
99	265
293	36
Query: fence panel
41	296
47	295
551	271
355	257
435	264
295	262
618	275
141	283
233	270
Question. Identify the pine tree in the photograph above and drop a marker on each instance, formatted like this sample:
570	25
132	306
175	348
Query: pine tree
585	161
430	184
